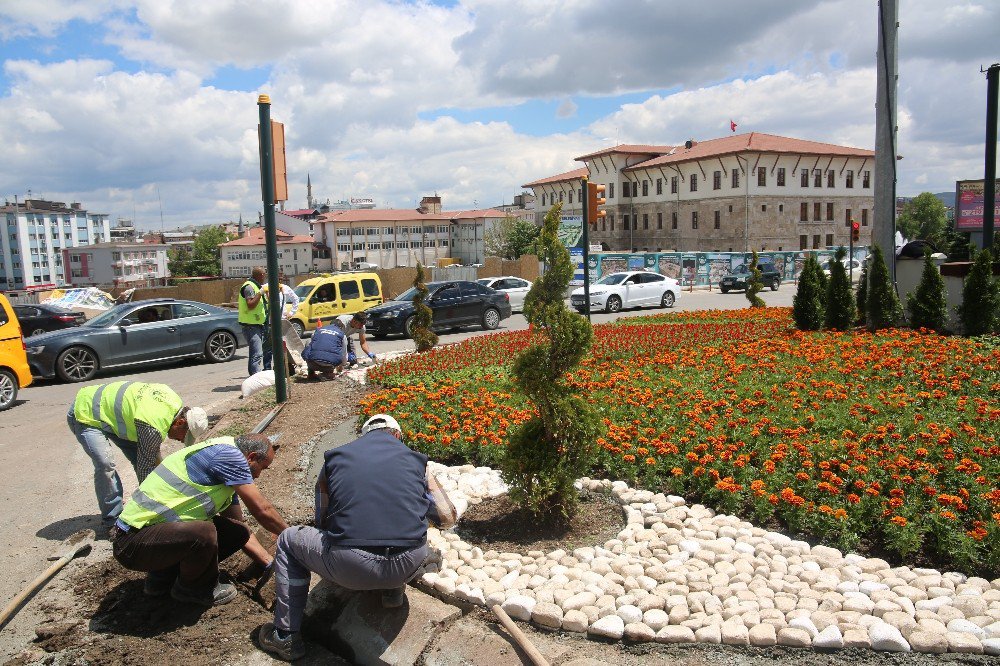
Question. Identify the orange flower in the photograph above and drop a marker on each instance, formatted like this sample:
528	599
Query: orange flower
898	520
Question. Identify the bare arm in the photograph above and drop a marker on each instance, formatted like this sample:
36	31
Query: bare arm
260	508
255	299
442	511
364	342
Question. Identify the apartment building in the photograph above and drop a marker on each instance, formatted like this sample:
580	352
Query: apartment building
239	256
738	193
121	265
36	232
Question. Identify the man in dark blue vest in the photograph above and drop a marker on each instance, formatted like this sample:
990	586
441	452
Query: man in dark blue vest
374	498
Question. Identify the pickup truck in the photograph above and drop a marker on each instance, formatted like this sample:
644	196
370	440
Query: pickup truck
740	277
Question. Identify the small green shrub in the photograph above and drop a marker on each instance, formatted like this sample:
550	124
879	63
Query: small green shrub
807	306
754	284
927	305
883	307
423	316
980	308
862	296
840	313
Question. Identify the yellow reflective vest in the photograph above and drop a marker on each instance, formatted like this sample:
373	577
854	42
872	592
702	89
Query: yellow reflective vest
115	407
168	494
248	315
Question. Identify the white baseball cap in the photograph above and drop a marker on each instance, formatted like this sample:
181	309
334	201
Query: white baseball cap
197	421
380	421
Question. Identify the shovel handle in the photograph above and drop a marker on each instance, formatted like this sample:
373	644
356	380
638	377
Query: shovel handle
522	641
16	603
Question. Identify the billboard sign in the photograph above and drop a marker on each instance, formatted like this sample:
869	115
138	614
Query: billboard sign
571	230
576	256
969	205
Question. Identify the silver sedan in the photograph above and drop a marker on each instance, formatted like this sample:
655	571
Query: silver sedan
516	289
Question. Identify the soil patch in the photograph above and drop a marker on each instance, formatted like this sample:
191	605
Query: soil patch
499	524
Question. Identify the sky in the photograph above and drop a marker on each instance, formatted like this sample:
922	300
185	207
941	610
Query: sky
147	109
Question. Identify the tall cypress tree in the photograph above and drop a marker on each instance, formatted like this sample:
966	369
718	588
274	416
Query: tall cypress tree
754	284
980	308
927	304
884	308
840	312
862	295
807	305
423	316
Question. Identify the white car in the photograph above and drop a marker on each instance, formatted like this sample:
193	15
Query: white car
516	289
848	265
628	290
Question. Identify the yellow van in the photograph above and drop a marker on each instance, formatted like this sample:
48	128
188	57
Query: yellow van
14	370
324	298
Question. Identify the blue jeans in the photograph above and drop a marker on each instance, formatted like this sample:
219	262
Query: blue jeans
107	483
254	333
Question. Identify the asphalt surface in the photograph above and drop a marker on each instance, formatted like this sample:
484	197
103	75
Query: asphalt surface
46	483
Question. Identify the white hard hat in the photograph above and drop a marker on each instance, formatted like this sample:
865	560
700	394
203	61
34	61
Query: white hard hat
380	421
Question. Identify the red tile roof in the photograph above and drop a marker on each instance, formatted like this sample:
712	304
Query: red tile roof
752	142
301	212
575	174
255	236
380	215
472	214
628	148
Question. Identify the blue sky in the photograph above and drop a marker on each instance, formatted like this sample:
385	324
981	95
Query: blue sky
109	101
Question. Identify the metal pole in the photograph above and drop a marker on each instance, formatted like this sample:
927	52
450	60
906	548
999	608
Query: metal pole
884	218
586	247
990	185
271	248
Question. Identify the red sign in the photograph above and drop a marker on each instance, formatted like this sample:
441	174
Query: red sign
969	205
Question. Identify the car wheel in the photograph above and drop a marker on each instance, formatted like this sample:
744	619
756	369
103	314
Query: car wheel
8	389
724	290
408	326
220	346
491	319
37	331
76	364
300	330
614	304
774	285
668	300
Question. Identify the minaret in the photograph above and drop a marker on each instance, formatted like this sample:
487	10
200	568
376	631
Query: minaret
309	192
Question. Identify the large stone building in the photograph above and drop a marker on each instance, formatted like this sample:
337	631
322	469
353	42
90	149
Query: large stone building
734	194
35	234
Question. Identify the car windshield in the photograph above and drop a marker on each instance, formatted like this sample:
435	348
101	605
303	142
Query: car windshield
484	281
109	317
407	295
614	278
303	290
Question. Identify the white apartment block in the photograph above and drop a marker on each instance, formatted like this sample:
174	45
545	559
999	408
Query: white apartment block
241	255
737	193
117	265
34	235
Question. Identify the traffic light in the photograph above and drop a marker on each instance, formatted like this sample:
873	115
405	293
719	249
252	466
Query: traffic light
855	232
595	199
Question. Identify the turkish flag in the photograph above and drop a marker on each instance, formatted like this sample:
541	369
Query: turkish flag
732	126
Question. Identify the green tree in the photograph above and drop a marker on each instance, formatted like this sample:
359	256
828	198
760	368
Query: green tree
927	305
926	217
205	255
862	300
423	316
754	284
840	312
980	308
807	305
883	307
547	453
179	262
510	238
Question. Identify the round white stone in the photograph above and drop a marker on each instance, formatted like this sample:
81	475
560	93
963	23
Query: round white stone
610	626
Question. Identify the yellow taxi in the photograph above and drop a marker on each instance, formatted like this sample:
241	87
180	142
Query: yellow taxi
322	299
14	370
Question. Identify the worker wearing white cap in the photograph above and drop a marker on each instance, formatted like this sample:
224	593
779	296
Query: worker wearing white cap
136	417
374	498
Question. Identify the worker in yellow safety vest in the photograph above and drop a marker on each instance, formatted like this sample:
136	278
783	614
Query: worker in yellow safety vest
252	304
186	517
136	417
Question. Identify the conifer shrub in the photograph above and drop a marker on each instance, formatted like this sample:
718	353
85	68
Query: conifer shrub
862	295
547	453
754	284
980	308
840	310
927	305
883	307
807	305
423	316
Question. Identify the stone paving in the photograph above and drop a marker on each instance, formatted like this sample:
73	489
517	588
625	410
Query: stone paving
680	573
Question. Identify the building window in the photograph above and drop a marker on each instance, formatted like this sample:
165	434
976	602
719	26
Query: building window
645	221
673	220
763	208
611	190
829	240
694	219
579	195
815	241
849	179
625	221
543	203
804	212
604	224
645	188
736	178
864	217
781	208
866	179
659	186
611	222
694	182
817	211
673	184
847	217
829	212
761	176
805	178
803	242
717	180
561	193
571	196
781	176
830	179
817	178
635	222
659	220
718	219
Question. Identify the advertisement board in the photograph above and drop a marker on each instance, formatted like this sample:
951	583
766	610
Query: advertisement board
571	230
576	256
969	205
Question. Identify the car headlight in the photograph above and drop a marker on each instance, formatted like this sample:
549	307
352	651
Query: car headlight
598	293
36	350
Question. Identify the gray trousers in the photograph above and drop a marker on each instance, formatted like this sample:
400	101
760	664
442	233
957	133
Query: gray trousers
302	550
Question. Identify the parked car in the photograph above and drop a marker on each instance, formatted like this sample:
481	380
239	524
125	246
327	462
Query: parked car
739	277
37	319
848	265
516	288
14	371
138	333
628	290
324	298
455	303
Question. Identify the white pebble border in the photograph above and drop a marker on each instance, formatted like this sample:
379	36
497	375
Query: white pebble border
681	573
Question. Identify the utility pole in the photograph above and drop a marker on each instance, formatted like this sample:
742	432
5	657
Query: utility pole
990	184
884	218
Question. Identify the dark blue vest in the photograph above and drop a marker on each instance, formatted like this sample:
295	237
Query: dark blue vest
326	346
378	492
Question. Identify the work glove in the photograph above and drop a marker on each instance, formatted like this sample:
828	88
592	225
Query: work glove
264	578
371	356
352	358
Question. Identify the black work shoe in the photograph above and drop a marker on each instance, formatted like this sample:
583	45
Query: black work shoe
222	594
287	649
157	584
393	598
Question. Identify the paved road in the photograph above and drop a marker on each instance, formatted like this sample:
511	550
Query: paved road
47	488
